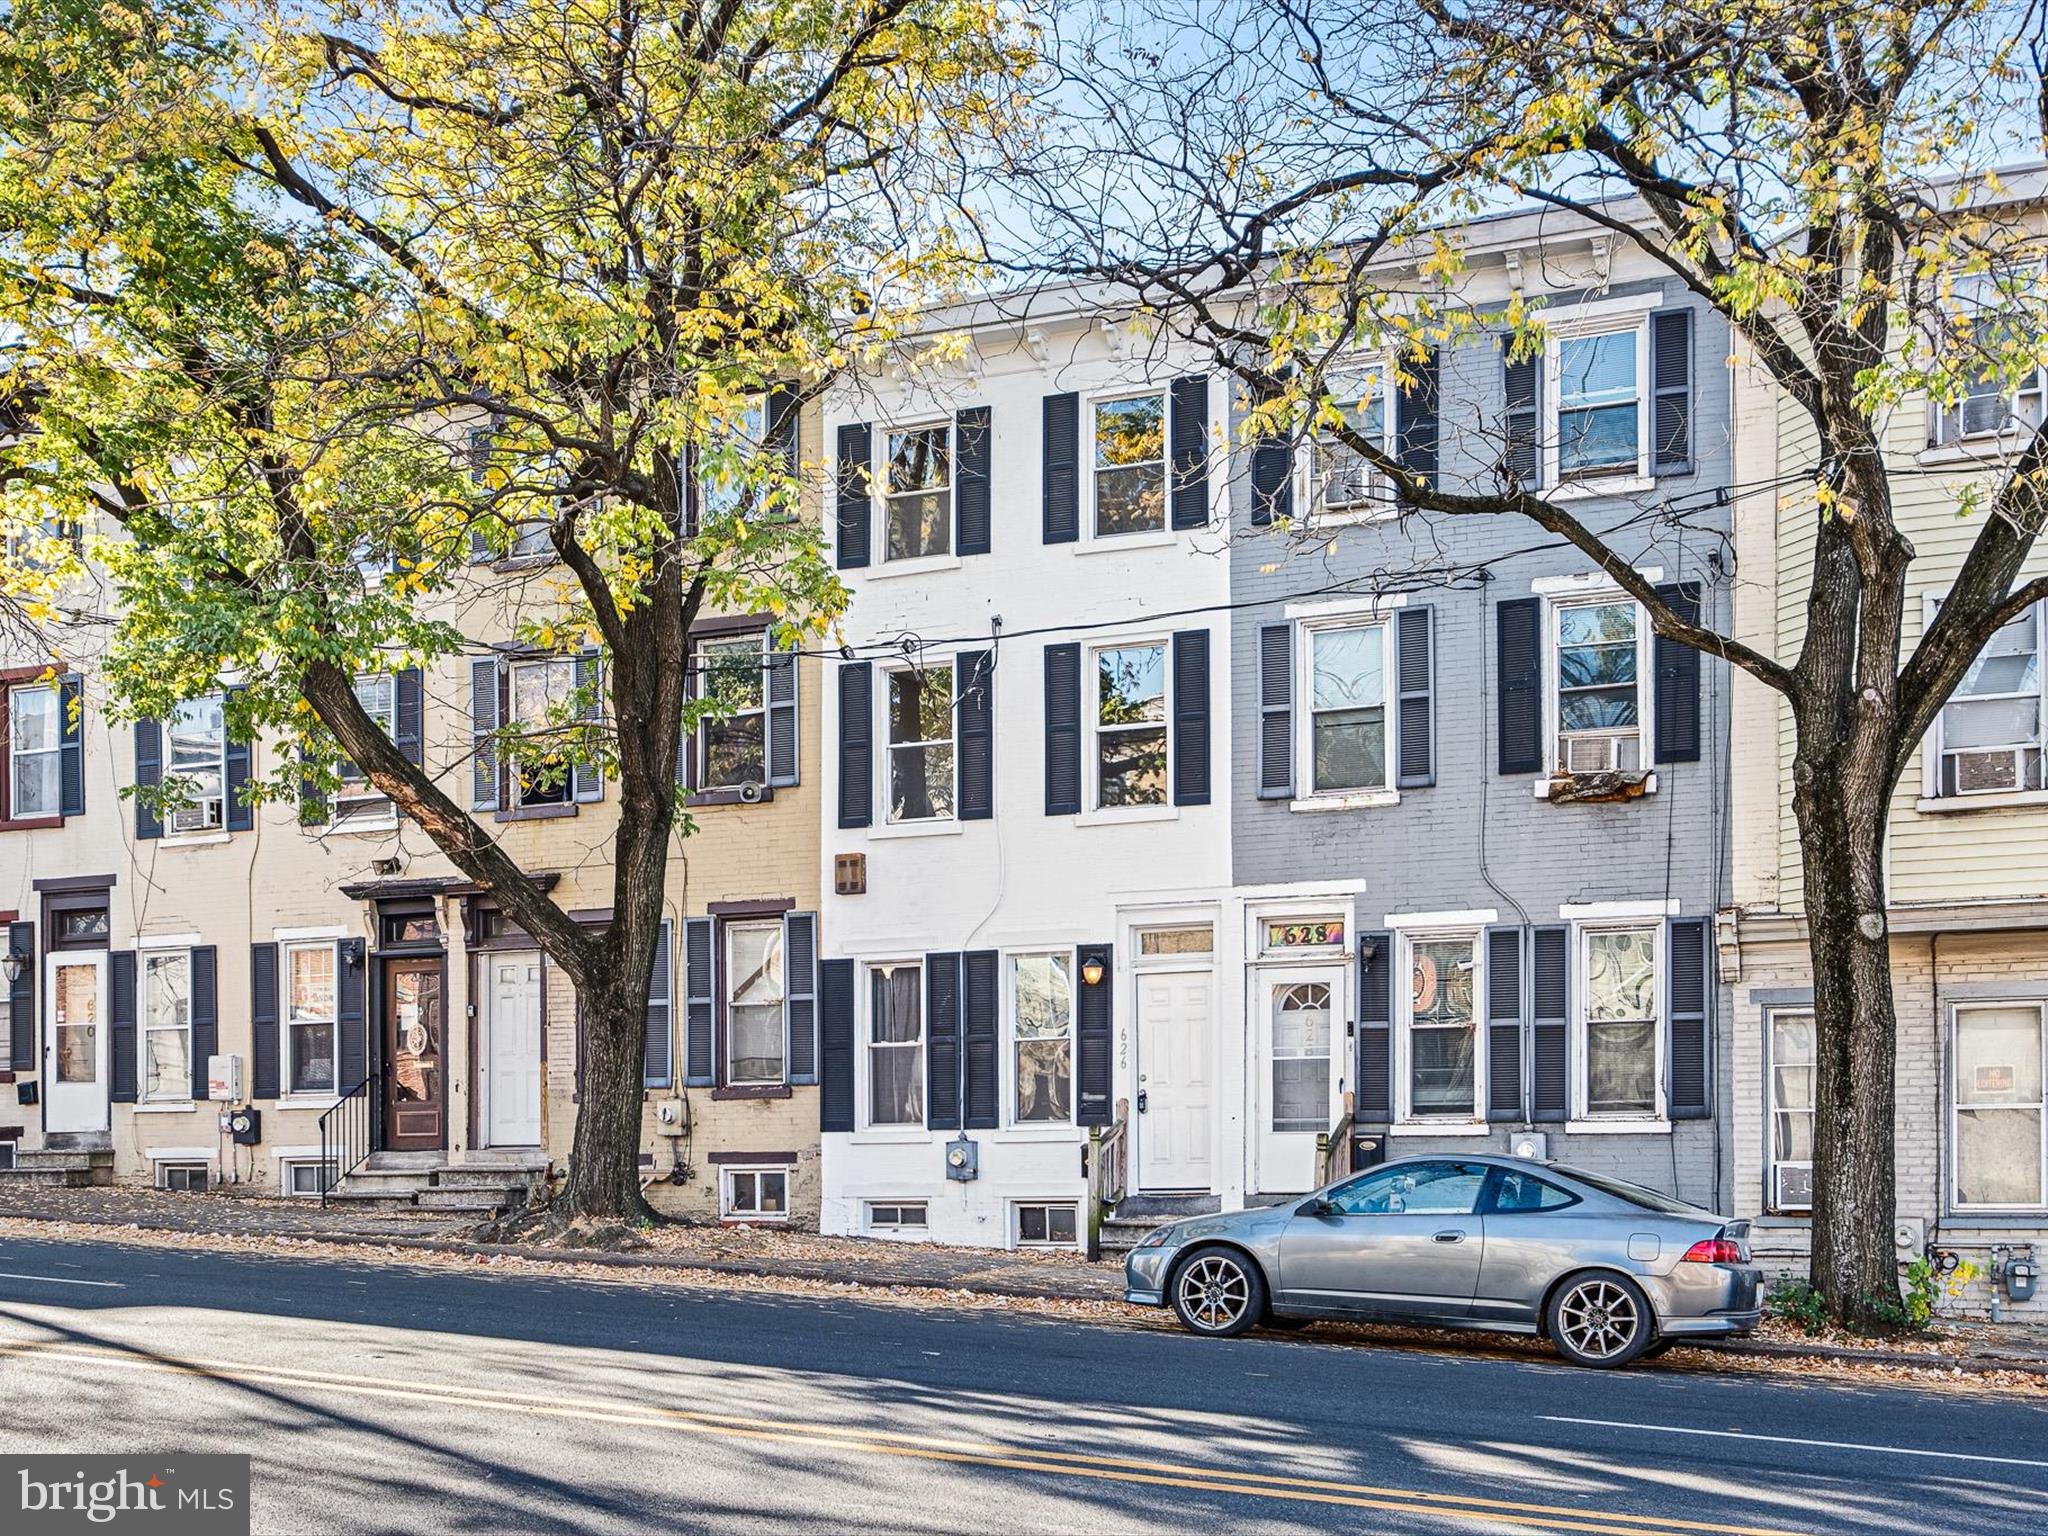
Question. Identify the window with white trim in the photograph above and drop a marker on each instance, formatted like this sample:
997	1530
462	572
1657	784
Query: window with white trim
917	492
304	1180
1128	463
896	1044
903	1216
727	463
35	744
166	1026
1347	682
753	1194
1130	726
1621	1022
921	762
1981	319
359	800
542	692
1600	403
755	1043
1439	1024
1595	682
311	1038
1788	1082
732	745
1042	1037
1343	485
1989	736
2000	1145
196	741
1047	1224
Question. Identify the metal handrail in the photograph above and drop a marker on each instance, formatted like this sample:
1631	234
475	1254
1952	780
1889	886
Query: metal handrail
1107	1161
344	1137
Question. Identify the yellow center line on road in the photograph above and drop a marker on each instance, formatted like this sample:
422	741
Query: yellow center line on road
994	1454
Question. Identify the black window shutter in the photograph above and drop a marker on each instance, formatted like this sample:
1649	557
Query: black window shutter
1518	627
205	1013
1676	667
800	1006
942	1041
778	669
71	763
1272	480
1524	377
1550	1024
263	1068
1094	1036
1063	730
121	1022
149	772
1276	711
971	522
1190	430
853	506
1504	1022
21	999
1414	672
1692	1041
1375	1028
1671	383
1061	451
657	1044
241	815
699	981
856	743
1191	717
483	733
835	1045
976	672
781	418
981	999
586	779
352	1014
1416	415
409	709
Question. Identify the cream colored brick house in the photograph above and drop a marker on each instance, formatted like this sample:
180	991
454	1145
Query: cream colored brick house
318	948
1967	873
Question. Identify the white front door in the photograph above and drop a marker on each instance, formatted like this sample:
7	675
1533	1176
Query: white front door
1176	1052
1300	1013
512	1084
76	1081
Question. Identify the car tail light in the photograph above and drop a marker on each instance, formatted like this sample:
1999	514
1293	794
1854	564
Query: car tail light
1713	1250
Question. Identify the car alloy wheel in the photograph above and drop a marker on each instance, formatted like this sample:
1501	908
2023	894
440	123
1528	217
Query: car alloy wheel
1218	1292
1600	1320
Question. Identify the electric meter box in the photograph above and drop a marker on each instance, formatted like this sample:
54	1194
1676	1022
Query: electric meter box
224	1079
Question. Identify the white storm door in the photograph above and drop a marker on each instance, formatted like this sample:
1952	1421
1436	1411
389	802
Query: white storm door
1300	1014
1176	1056
76	1082
513	989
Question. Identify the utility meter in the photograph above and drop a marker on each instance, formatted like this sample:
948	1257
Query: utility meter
962	1158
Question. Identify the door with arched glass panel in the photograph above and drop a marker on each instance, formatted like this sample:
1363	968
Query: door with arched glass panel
1300	1071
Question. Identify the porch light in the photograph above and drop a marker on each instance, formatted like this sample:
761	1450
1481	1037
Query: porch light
12	965
1091	972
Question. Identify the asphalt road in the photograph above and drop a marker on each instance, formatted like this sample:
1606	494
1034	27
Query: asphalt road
378	1398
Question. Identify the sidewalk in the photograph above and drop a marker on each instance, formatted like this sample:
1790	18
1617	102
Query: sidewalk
2007	1351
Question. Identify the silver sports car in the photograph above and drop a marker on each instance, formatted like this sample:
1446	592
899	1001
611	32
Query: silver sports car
1606	1270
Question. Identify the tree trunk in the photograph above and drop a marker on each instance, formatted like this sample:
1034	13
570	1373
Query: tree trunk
604	1167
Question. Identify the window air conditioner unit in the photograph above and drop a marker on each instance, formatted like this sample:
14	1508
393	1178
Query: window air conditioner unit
1985	414
1352	485
1598	752
193	818
1792	1188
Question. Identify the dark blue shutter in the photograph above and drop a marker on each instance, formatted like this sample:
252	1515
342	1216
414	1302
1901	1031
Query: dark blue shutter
1415	420
1094	1036
586	779
1063	730
1276	711
942	1041
1550	1022
1061	468
352	1013
700	969
1272	480
149	773
1524	458
1518	663
976	671
971	521
1190	428
21	999
1676	668
657	1044
854	505
264	1062
782	435
71	761
1671	386
981	1006
800	1006
1692	1041
778	670
856	743
1504	1022
483	734
205	1013
835	1045
1414	671
312	797
1375	1101
409	713
241	815
1191	717
121	1021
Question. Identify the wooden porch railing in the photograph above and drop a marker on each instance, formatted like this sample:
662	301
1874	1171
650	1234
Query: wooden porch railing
1333	1148
1107	1162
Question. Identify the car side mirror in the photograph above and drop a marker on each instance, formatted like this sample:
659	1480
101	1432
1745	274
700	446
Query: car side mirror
1316	1206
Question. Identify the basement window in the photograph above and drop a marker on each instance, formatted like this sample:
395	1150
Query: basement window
185	1178
1047	1224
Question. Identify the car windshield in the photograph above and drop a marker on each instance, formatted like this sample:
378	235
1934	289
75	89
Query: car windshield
1634	1194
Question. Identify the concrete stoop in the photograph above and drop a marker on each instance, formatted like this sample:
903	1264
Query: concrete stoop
426	1182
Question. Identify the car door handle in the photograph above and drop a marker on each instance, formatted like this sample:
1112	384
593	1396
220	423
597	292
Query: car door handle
1450	1237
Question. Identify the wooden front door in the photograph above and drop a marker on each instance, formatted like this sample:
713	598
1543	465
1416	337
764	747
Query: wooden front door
415	1056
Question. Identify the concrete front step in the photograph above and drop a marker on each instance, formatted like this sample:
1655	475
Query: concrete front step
54	1178
469	1197
1122	1235
61	1168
